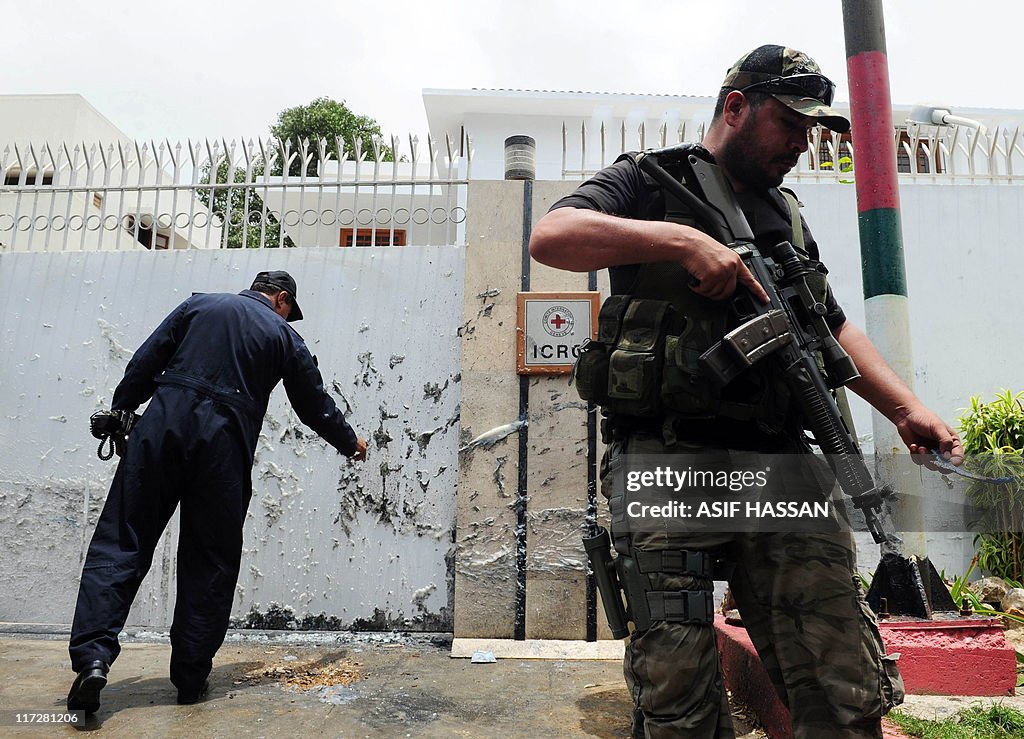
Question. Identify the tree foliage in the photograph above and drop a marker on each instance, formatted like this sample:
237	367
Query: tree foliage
238	206
246	223
326	119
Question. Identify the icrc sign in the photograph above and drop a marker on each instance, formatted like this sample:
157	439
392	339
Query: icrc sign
551	328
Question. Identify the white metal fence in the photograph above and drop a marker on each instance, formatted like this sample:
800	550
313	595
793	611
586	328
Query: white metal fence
929	153
221	194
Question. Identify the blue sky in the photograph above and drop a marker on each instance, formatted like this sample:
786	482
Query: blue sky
209	69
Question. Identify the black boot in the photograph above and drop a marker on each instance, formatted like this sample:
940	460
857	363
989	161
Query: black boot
637	727
188	697
85	691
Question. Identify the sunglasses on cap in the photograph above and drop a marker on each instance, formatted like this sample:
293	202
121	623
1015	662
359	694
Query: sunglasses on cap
810	85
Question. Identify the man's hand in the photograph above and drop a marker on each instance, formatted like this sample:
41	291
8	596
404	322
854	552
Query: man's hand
922	431
581	240
718	270
360	453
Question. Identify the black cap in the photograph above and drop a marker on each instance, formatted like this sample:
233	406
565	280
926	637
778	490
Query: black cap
282	281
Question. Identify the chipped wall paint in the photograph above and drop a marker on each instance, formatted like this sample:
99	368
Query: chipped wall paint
336	542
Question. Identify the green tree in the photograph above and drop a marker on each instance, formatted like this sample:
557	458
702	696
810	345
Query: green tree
327	119
240	209
246	222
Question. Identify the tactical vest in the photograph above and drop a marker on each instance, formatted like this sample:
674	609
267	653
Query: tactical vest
644	364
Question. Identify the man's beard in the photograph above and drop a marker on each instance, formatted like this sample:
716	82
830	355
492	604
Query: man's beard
742	156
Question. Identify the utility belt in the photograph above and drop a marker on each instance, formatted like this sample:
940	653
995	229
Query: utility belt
646	364
234	399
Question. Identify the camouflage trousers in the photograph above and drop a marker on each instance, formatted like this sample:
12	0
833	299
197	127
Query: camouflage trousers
804	610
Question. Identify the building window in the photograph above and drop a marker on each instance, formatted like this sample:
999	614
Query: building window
369	237
842	150
925	164
13	177
146	236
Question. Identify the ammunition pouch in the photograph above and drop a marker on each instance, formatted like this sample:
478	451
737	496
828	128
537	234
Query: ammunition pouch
622	368
648	362
645	360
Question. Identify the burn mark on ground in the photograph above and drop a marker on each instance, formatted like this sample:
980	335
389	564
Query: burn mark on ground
423	621
605	713
401	709
327	670
278	617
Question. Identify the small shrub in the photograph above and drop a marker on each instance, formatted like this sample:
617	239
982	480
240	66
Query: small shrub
993	437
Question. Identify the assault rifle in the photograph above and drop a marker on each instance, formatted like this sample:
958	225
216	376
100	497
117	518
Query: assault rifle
790	329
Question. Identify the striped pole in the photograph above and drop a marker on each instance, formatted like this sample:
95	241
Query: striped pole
886	306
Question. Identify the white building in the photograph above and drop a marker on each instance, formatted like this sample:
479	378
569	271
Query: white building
577	133
74	181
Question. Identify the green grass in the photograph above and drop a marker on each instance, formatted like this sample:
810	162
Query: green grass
996	722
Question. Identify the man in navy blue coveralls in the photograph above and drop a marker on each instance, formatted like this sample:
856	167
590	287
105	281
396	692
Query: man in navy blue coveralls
208	371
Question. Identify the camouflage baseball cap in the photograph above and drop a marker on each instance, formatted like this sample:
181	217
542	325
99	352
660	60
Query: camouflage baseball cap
792	78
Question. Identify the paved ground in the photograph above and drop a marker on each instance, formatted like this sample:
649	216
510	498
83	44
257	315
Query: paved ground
398	687
340	685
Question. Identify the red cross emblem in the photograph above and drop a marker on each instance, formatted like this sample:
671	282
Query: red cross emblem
558	321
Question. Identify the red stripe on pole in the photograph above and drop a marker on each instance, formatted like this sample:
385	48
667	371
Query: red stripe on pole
874	142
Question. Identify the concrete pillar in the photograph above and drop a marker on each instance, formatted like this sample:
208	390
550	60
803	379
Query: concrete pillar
556	586
486	578
530	581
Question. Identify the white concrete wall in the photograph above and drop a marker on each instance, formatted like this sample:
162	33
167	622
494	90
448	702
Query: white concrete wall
356	541
375	540
964	261
963	257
